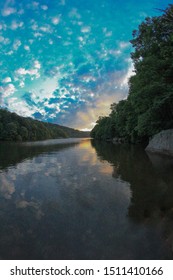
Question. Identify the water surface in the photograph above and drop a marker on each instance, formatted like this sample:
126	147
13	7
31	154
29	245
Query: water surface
80	199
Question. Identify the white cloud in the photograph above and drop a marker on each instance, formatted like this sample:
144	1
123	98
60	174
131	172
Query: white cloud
15	25
7	90
45	89
130	72
37	35
108	34
37	64
44	7
46	28
34	26
115	52
9	53
31	41
21	71
85	29
27	48
17	43
20	107
6	80
124	45
8	11
31	72
6	187
50	42
5	41
88	78
22	84
56	20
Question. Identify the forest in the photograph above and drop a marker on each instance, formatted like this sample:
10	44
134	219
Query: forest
148	108
16	128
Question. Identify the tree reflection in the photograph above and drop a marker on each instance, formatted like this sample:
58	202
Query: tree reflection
150	178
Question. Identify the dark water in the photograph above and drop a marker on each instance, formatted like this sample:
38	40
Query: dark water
84	200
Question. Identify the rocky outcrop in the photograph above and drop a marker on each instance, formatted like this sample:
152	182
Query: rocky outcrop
162	143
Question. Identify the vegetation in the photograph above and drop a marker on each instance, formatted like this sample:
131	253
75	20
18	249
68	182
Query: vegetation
148	108
17	128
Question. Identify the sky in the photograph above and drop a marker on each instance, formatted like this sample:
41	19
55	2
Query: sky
67	61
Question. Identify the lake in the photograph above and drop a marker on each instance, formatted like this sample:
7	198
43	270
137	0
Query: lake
82	199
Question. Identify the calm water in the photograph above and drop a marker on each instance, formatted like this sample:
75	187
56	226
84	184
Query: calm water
63	199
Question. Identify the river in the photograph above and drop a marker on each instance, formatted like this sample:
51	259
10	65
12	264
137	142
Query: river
82	199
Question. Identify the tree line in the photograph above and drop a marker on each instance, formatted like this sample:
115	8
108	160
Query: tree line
16	128
148	108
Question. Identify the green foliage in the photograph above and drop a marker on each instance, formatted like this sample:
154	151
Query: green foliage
148	108
16	128
104	129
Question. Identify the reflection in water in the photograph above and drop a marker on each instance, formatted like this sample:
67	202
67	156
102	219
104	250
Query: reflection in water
151	183
83	201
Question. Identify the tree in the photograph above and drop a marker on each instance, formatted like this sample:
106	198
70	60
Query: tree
149	105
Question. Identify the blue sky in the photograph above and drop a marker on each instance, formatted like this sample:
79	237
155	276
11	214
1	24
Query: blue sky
66	61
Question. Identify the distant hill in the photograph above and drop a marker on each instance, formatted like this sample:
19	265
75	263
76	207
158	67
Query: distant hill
16	128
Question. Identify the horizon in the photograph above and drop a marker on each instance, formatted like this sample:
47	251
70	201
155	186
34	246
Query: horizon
66	61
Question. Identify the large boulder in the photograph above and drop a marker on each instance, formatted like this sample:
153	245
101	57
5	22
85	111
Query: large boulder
162	143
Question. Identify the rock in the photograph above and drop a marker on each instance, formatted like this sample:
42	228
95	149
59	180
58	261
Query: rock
162	143
119	140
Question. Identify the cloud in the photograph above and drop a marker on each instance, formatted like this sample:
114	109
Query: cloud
50	42
34	26
37	64
73	71
124	45
28	97
38	35
6	80
17	43
115	52
27	48
130	72
9	53
7	11
31	72
7	90
6	187
85	29
46	28
21	84
106	32
15	25
112	88
5	41
44	7
20	107
56	20
21	71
